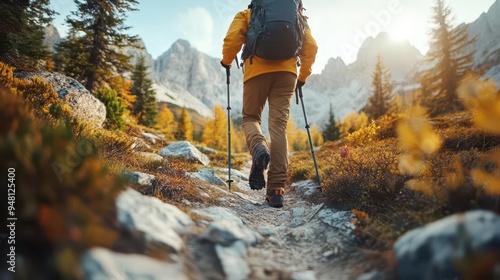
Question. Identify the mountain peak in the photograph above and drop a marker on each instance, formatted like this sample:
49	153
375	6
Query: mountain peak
181	44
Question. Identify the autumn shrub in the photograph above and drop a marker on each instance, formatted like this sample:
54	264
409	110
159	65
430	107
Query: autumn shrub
64	196
365	135
41	99
387	125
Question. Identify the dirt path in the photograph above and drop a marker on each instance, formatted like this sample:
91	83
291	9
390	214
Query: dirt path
300	241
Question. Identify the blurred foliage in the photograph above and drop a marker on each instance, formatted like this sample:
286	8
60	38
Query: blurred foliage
354	121
64	197
298	139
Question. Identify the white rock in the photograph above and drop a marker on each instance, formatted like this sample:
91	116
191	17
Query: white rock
233	260
235	174
340	220
186	150
83	104
151	137
226	232
267	231
209	176
298	212
161	222
304	275
306	188
434	250
219	213
140	178
102	264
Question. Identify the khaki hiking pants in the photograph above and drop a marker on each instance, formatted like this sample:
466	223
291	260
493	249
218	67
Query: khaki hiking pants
277	88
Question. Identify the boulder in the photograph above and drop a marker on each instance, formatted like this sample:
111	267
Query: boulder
153	138
224	249
305	188
445	248
140	178
100	263
210	177
161	222
339	220
186	150
83	104
226	232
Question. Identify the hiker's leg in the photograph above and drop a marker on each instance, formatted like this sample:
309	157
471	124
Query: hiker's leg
255	93
280	98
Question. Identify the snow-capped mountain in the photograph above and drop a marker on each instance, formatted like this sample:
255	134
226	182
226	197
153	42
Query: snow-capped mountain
188	78
185	77
347	87
52	37
486	29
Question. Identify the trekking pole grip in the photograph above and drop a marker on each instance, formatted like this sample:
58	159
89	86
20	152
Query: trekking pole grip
228	75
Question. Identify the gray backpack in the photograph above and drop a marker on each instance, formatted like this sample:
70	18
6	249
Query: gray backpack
276	30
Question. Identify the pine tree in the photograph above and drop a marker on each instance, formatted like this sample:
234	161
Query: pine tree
452	59
145	107
91	54
379	103
22	33
215	132
331	131
114	107
184	127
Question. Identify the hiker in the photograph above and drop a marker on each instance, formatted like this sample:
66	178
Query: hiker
274	80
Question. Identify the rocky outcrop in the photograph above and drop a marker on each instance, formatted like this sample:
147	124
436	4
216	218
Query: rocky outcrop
140	178
186	150
209	176
161	222
443	249
99	263
83	104
222	247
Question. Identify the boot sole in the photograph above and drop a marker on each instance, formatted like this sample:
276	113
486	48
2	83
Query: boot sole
256	180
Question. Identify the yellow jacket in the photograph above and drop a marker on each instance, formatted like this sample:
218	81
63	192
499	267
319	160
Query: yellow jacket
235	39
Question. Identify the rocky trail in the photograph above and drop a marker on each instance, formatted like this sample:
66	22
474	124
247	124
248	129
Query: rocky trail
299	241
240	238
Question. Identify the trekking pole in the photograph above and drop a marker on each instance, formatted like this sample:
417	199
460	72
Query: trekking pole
298	93
229	181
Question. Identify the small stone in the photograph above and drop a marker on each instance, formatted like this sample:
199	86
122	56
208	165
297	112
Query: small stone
296	222
267	231
304	275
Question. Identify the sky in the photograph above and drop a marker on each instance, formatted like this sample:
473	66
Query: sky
339	26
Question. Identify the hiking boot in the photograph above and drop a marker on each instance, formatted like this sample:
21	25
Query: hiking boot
275	198
260	160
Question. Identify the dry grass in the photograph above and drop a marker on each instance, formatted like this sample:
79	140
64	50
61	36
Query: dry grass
451	164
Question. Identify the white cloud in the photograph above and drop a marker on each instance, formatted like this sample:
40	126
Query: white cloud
196	25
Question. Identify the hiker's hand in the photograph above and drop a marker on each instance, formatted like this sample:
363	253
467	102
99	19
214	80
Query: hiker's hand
225	66
300	84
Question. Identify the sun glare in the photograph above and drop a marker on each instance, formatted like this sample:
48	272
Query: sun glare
401	30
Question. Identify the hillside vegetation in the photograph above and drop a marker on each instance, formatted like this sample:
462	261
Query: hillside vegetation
406	170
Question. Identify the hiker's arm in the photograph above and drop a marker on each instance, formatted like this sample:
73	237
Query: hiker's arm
235	37
307	55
